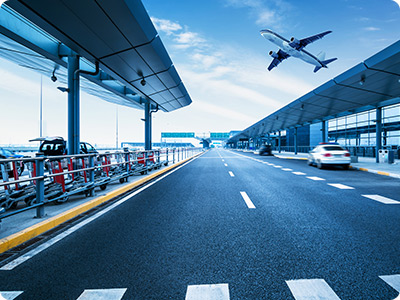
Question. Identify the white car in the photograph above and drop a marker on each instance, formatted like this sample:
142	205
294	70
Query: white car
329	154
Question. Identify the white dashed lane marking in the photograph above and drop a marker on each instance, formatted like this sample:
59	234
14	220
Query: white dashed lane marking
226	165
286	169
393	281
247	200
230	173
381	199
277	166
299	173
307	289
341	186
208	291
106	294
315	178
9	295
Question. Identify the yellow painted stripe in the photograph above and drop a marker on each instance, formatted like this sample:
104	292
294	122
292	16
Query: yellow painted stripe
37	229
363	169
383	173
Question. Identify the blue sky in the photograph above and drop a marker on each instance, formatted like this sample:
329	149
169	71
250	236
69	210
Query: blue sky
222	59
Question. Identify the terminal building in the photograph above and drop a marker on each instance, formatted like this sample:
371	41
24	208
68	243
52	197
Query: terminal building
359	109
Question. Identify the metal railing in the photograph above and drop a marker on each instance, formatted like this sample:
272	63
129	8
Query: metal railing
54	179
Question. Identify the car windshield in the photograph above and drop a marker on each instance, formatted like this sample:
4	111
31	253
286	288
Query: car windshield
333	148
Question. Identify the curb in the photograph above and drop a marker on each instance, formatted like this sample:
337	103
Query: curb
18	238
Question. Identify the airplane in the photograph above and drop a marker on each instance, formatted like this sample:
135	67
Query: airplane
295	48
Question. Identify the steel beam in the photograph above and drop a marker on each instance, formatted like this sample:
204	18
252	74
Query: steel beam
73	105
378	132
147	126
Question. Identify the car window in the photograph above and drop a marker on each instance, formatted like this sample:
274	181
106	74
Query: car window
333	148
89	147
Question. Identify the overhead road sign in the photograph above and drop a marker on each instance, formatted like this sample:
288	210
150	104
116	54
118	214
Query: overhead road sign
371	84
118	34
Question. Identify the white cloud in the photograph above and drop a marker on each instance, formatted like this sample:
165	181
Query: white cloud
372	28
166	26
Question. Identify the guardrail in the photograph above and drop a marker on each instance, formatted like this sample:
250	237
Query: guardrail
54	179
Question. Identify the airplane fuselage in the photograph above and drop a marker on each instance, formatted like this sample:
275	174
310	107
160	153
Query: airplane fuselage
283	44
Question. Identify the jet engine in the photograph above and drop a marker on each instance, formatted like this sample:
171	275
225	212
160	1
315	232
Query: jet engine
295	43
273	54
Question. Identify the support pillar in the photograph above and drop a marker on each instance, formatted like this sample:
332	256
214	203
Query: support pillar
279	142
378	132
147	126
323	130
73	105
295	140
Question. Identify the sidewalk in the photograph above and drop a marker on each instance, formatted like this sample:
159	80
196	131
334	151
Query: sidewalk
367	164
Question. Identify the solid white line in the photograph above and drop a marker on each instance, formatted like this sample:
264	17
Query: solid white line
381	199
23	258
307	289
287	169
299	173
341	186
208	292
9	295
226	165
230	173
392	280
315	178
106	294
247	200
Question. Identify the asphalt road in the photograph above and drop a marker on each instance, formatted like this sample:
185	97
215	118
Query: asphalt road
194	227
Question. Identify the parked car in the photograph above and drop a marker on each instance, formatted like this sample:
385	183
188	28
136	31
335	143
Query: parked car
265	150
6	154
331	154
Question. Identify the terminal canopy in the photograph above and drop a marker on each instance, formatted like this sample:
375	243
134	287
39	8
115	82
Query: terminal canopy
118	34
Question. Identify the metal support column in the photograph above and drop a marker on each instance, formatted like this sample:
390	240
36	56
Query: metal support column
323	131
295	140
147	126
39	185
73	105
378	132
279	141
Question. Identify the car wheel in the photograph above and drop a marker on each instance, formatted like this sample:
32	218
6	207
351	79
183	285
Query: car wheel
309	162
319	164
346	167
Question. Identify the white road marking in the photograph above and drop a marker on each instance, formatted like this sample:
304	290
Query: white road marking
393	281
23	258
208	292
299	173
9	295
315	289
275	166
230	173
106	294
286	169
341	186
381	199
315	178
226	165
247	200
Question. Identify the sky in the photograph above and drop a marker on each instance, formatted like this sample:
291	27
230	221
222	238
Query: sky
221	57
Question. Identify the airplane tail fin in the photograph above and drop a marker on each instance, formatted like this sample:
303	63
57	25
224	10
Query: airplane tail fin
321	56
324	63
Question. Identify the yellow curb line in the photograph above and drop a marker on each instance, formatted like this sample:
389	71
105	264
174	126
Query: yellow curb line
37	229
383	173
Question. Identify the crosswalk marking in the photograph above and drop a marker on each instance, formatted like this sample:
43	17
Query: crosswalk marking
299	173
208	292
230	173
392	280
315	178
381	199
9	295
287	169
315	289
105	294
247	200
341	186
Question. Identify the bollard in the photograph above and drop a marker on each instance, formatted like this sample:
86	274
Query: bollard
39	185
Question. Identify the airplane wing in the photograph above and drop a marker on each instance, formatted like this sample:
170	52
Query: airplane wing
304	42
278	58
